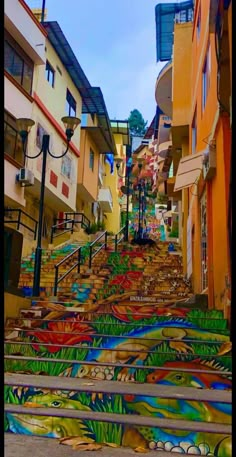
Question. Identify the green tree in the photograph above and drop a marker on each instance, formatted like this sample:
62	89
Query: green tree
137	124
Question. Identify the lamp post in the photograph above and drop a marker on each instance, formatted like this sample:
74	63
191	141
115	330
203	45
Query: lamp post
129	166
24	126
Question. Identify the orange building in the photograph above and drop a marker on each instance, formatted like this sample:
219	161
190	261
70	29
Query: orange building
199	86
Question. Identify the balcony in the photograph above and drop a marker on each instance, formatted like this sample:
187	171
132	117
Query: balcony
105	199
20	22
163	90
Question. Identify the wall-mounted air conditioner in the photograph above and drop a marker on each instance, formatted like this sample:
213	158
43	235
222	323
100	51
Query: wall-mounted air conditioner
209	162
25	177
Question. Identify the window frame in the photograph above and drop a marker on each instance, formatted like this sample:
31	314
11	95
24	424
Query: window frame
50	70
206	71
67	174
10	121
70	103
91	159
199	23
27	63
194	131
204	244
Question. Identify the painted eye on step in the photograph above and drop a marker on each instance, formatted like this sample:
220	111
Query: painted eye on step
56	404
178	377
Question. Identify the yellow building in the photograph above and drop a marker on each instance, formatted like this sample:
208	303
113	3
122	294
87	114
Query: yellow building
187	90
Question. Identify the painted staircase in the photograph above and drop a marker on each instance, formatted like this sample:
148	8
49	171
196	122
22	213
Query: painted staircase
120	356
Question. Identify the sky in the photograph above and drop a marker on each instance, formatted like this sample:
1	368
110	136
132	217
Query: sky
114	42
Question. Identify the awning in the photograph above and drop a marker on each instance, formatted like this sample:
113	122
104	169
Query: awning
189	170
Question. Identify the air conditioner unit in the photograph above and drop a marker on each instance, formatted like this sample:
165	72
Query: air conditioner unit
209	162
25	177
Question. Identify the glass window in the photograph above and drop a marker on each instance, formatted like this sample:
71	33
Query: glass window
70	104
50	74
194	132
199	24
91	160
39	135
66	166
18	65
206	78
12	140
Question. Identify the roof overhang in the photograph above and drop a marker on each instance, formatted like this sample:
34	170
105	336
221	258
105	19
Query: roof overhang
121	128
92	97
99	138
189	171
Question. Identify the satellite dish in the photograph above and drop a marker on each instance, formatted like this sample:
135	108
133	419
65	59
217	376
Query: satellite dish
124	190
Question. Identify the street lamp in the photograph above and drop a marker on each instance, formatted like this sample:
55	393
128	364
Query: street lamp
24	126
129	166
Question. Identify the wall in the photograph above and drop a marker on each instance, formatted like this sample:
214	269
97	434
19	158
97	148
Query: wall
13	304
206	122
181	86
87	177
11	189
54	98
54	184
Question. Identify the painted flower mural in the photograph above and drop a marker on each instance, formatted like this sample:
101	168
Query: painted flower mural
60	333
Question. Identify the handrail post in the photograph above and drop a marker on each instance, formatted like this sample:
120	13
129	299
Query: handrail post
105	239
52	230
55	281
18	220
116	243
79	259
72	225
35	230
90	256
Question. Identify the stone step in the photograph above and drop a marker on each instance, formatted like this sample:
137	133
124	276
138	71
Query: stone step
115	387
127	419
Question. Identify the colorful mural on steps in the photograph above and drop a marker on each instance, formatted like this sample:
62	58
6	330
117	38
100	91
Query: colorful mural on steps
115	329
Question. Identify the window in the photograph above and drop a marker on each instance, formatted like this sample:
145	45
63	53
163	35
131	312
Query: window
50	74
18	64
194	132
204	260
70	104
12	140
66	166
91	159
199	23
39	135
206	77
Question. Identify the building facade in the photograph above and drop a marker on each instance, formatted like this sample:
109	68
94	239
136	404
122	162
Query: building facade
196	85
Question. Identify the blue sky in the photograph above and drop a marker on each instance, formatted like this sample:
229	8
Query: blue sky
114	42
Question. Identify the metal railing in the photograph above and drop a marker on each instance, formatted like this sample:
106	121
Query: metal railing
79	218
18	220
117	239
93	244
77	264
79	260
71	218
60	226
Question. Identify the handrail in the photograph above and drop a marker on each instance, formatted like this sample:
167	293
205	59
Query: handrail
116	237
84	220
18	220
104	245
92	254
56	226
57	280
